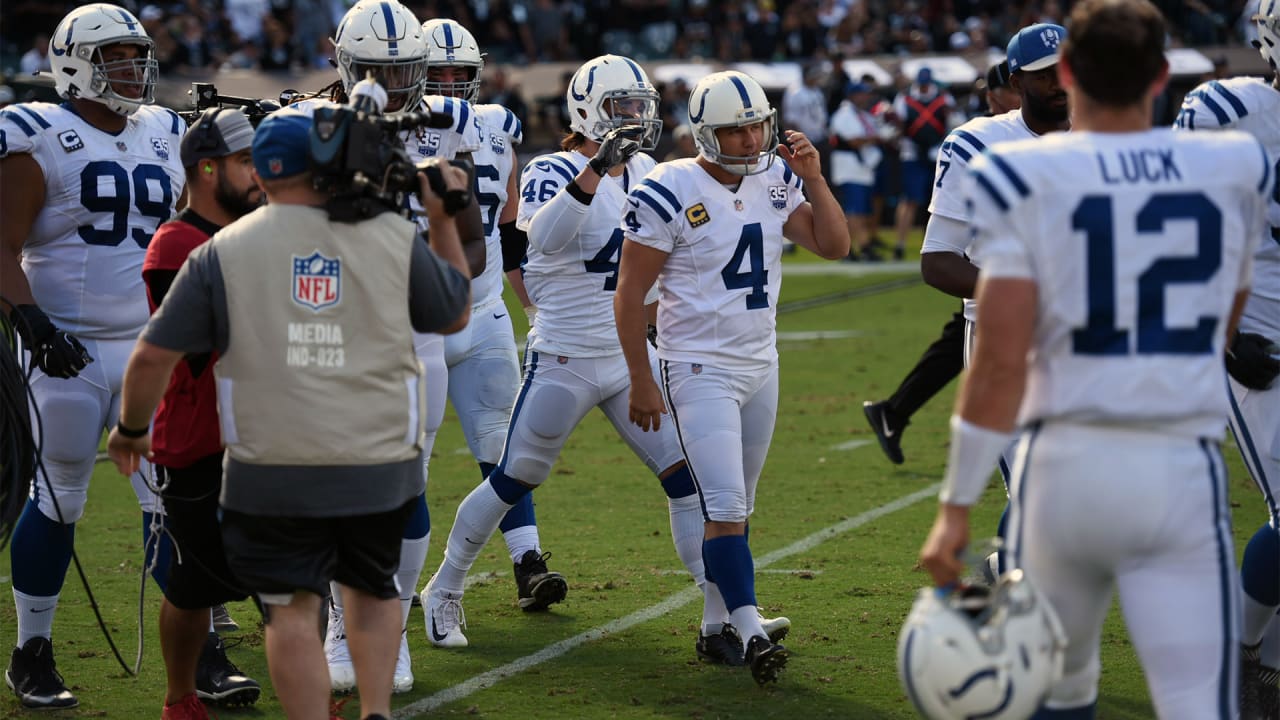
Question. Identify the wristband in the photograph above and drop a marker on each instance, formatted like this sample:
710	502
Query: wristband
131	433
577	193
974	453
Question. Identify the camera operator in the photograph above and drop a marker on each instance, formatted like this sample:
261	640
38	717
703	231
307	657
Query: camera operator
321	401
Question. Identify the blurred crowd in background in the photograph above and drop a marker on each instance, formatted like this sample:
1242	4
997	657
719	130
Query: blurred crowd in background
290	35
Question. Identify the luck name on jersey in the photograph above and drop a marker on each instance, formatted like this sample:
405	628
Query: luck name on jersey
105	194
719	287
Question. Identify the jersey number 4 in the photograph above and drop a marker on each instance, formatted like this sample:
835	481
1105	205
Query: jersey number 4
606	261
1101	335
750	248
144	178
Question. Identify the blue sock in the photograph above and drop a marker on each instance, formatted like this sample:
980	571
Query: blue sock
518	495
729	559
419	523
162	550
1088	712
679	484
1258	568
40	552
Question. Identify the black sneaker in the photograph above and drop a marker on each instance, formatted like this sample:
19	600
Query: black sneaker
766	659
34	678
1259	694
722	648
220	682
536	587
887	431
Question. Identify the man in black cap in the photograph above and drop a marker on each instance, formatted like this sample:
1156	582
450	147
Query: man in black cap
186	442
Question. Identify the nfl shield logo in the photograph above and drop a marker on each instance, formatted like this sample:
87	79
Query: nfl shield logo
317	281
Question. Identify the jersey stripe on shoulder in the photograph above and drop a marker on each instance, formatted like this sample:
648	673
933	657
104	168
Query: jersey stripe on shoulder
976	147
1236	105
658	188
991	190
516	129
44	124
18	120
464	110
1265	184
1014	179
639	194
562	166
1214	107
175	125
788	175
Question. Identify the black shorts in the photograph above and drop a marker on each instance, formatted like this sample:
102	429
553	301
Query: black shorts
281	555
198	573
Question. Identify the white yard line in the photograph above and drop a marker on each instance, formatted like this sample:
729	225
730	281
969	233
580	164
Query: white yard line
672	602
851	444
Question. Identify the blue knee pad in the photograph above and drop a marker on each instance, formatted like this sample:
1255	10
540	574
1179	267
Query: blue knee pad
1259	572
679	484
40	552
419	523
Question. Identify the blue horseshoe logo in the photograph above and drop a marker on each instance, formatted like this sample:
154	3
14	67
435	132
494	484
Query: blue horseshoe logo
591	80
702	106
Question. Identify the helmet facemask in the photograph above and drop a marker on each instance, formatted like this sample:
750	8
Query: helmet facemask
709	144
125	84
468	89
624	108
402	79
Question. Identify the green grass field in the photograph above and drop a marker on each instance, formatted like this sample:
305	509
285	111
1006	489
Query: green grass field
846	590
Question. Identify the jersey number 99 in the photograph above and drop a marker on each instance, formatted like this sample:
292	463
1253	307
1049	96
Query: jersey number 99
143	178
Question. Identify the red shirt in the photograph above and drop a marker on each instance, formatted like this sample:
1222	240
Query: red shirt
186	424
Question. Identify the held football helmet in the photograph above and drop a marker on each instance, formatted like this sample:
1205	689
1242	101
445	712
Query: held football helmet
383	38
732	99
1268	22
79	70
451	45
982	652
611	91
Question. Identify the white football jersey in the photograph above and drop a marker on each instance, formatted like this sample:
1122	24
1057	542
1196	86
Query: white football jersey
500	132
959	149
105	195
573	288
1251	105
719	288
1138	243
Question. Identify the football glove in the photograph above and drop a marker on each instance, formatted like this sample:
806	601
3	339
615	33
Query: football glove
616	148
55	352
1251	361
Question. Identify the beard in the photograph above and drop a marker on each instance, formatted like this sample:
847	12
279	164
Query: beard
235	203
1041	108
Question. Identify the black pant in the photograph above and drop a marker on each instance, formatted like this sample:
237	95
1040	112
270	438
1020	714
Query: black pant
939	365
198	573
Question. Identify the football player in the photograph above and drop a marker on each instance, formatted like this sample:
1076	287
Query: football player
86	183
386	40
944	261
483	369
1253	105
1115	263
710	231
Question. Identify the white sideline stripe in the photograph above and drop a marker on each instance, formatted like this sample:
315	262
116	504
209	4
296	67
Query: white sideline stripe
810	335
851	445
679	599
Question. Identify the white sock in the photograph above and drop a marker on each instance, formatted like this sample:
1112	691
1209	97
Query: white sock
1256	619
35	616
211	620
1271	644
714	613
521	540
478	516
335	592
686	534
747	620
413	555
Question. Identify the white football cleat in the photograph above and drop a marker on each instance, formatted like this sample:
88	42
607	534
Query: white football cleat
342	674
403	681
444	617
776	628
